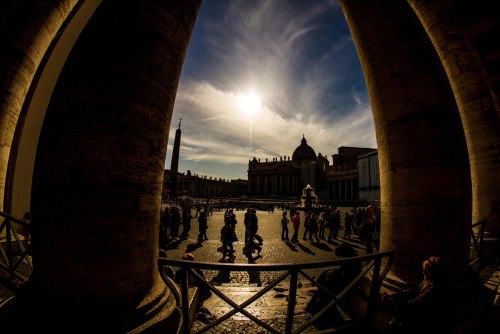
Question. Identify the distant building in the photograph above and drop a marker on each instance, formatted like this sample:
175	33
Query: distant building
204	186
369	177
343	176
285	176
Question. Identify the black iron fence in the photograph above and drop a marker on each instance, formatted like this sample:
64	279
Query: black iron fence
372	267
477	235
15	247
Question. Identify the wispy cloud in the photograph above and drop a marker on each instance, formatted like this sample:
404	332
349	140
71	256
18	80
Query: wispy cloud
302	65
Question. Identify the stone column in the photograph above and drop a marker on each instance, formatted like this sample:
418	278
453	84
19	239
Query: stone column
424	169
99	170
480	117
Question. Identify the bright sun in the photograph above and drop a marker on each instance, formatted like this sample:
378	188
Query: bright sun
249	103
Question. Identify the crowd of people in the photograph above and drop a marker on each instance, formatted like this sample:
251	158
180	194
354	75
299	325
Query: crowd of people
317	225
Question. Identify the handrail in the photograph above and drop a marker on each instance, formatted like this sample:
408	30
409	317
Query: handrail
8	254
187	267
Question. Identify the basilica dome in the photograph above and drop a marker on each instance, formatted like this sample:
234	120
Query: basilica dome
304	152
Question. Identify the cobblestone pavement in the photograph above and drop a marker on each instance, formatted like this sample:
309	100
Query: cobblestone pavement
274	250
239	286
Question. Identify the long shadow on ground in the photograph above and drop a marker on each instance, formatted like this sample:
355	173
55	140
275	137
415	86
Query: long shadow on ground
305	249
322	246
291	246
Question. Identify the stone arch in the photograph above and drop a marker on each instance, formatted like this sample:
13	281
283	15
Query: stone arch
25	140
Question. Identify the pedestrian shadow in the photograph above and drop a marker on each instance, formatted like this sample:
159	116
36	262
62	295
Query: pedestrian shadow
334	242
291	246
251	258
305	249
174	244
193	246
254	277
322	246
223	276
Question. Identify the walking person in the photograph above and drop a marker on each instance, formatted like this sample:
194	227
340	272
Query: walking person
336	224
322	222
348	222
284	227
296	225
313	227
369	228
226	236
202	226
186	222
175	221
307	224
329	225
233	222
246	221
253	227
164	227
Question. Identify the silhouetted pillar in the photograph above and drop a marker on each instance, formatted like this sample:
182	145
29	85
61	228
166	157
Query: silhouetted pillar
480	119
424	170
99	170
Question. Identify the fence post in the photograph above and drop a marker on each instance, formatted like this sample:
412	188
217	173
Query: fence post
292	296
374	289
9	246
185	299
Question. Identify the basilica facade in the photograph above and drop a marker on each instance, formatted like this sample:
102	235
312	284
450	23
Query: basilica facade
287	176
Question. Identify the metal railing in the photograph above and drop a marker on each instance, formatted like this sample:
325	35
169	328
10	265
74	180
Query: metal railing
373	266
14	253
477	235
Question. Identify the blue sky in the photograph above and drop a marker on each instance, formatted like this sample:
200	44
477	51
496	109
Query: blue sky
260	74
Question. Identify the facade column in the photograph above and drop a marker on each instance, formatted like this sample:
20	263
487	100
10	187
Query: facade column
425	186
98	174
288	185
342	190
351	191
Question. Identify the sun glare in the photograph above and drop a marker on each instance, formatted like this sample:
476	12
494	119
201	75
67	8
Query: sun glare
249	104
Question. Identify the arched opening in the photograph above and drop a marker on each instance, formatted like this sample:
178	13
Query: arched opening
29	125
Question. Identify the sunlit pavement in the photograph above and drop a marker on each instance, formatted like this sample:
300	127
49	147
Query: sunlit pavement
239	286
